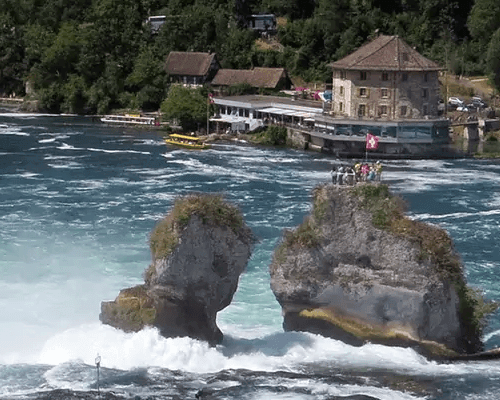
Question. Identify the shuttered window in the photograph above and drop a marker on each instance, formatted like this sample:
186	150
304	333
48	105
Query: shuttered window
364	92
362	110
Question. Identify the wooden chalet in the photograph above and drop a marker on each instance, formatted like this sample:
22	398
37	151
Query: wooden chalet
260	78
191	68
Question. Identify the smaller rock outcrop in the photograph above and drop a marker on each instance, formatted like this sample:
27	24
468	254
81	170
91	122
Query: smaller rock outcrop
199	251
359	270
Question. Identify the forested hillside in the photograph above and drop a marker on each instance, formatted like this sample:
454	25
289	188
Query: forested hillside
94	55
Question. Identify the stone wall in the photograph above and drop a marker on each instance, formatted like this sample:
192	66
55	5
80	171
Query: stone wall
384	95
297	139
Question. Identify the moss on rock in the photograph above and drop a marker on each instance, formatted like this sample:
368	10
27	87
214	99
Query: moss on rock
369	332
211	208
131	311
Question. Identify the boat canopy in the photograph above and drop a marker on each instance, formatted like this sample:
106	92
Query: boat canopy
184	137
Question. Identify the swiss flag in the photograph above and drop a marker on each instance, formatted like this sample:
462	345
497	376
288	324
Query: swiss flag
371	142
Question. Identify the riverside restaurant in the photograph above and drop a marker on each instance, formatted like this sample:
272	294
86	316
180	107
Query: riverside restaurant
324	132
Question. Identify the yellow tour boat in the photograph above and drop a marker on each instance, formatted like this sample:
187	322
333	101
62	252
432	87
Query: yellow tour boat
189	142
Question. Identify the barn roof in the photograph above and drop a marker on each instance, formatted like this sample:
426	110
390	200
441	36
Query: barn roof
256	77
188	63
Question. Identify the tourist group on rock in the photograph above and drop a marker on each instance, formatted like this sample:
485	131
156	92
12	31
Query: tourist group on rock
358	173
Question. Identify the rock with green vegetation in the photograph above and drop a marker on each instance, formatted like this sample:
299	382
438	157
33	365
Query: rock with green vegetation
199	251
357	269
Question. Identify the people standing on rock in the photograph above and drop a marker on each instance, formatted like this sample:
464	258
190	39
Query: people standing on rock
340	172
352	175
365	169
334	175
371	173
357	171
378	171
345	177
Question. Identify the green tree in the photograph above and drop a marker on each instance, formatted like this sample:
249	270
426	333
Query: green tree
493	59
235	52
111	43
54	65
59	59
294	9
37	39
74	94
12	69
484	19
186	106
147	80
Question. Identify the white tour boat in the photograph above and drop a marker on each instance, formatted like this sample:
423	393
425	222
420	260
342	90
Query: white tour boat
127	119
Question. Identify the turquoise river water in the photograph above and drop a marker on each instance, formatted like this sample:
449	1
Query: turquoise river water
77	202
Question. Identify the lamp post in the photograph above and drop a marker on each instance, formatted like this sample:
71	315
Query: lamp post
98	364
210	101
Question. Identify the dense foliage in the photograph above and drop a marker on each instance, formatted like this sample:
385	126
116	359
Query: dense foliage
94	55
186	107
210	208
272	135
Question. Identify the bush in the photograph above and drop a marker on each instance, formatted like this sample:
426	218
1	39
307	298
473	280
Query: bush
273	135
307	234
211	208
383	206
474	311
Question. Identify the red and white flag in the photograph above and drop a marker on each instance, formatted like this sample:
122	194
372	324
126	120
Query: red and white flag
371	142
210	98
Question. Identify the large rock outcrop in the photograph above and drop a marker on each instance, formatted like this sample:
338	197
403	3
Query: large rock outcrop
199	251
358	270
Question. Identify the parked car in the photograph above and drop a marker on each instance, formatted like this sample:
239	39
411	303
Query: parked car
472	107
455	101
478	102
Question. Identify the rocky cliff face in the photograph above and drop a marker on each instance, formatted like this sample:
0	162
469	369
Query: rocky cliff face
199	251
358	270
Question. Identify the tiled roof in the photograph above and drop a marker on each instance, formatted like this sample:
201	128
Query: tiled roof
188	63
389	53
256	77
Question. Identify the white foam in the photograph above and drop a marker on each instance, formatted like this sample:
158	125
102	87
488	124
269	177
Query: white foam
14	133
491	335
65	146
129	350
71	376
457	215
26	115
283	351
322	389
70	165
118	151
52	157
